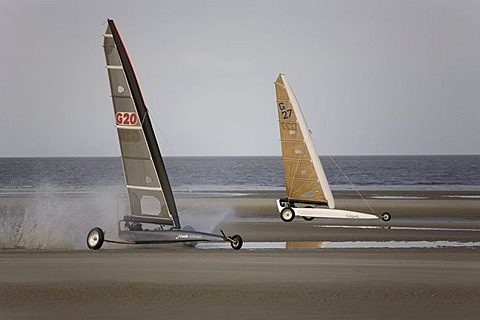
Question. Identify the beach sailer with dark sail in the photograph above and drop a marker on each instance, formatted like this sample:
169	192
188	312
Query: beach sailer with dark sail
149	191
307	188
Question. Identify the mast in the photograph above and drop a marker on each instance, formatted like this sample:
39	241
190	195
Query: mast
144	119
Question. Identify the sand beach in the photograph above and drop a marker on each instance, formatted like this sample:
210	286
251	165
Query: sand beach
178	282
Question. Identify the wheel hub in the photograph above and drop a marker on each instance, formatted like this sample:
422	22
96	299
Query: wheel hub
93	240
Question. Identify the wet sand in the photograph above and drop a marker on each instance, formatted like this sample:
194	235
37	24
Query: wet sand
177	282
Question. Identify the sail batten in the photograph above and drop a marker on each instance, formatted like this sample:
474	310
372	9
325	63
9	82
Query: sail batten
137	158
128	127
149	190
301	179
304	176
149	219
143	188
296	160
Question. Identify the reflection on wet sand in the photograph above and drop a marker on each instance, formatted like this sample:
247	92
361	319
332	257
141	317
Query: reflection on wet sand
304	244
299	245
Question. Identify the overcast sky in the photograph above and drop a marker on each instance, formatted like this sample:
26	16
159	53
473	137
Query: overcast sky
372	77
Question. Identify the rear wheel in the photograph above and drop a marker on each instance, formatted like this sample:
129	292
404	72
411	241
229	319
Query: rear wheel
287	214
188	228
95	238
308	218
236	242
386	216
190	244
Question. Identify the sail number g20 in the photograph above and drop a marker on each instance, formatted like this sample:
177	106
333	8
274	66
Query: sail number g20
286	113
126	118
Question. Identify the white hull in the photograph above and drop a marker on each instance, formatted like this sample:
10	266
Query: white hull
328	213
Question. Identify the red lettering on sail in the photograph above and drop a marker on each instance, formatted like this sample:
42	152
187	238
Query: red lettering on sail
126	118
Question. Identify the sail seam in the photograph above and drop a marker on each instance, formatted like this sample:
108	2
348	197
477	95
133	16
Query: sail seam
129	186
295	160
117	96
300	179
136	158
292	140
150	218
128	127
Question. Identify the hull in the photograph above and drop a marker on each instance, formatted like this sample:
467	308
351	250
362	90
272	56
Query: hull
328	213
166	236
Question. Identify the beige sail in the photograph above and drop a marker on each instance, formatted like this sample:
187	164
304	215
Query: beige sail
303	173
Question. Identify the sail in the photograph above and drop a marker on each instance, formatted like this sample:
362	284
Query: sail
305	179
149	192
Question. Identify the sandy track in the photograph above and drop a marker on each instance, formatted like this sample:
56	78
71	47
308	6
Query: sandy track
176	282
276	284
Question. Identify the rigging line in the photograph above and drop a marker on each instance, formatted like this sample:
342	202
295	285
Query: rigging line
159	130
364	200
144	116
157	127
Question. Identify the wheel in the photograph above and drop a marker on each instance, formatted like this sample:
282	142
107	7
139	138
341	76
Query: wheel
386	216
95	238
236	242
188	228
190	244
287	214
308	218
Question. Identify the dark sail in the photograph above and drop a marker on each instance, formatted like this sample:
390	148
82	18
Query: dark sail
149	191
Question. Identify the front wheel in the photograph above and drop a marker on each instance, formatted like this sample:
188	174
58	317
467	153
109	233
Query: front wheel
386	216
287	214
236	242
95	238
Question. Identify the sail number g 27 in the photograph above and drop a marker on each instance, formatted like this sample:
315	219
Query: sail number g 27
126	118
286	113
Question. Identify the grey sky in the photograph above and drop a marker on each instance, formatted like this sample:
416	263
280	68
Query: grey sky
372	77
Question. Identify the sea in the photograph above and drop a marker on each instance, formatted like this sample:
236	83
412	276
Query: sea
21	176
52	203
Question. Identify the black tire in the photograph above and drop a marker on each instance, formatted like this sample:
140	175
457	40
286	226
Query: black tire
188	228
287	214
308	218
95	238
386	216
190	244
236	242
